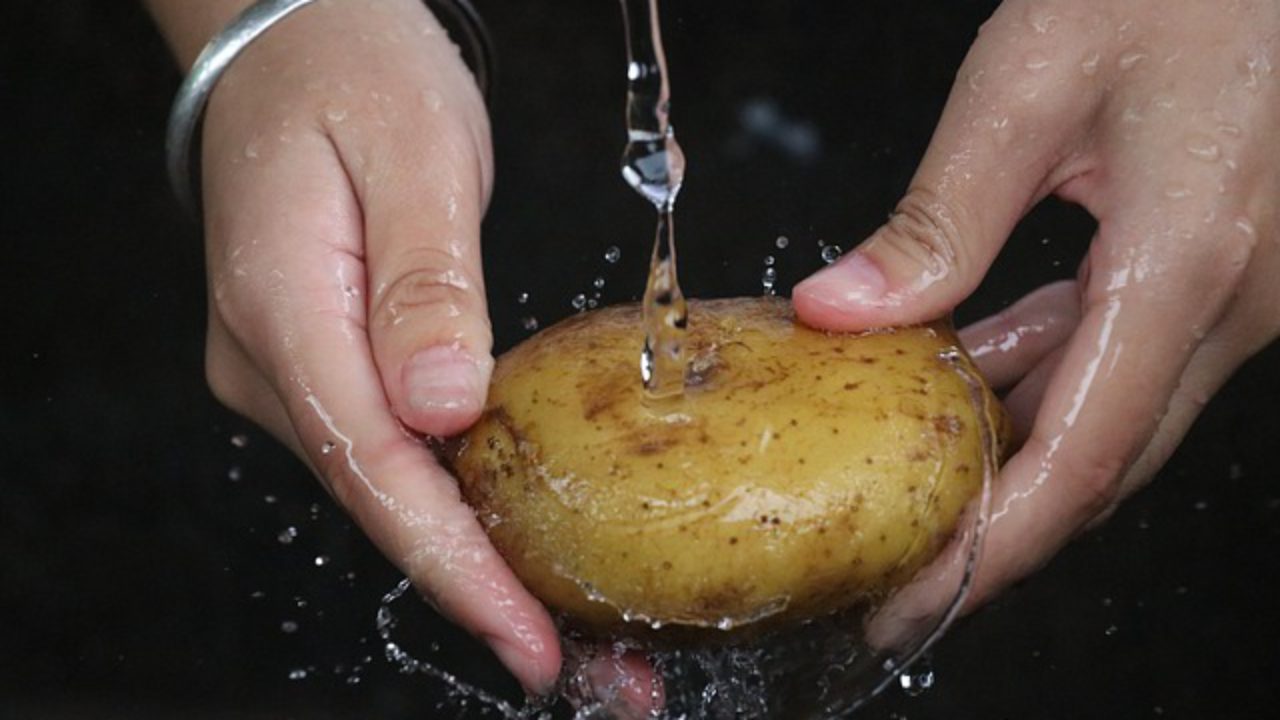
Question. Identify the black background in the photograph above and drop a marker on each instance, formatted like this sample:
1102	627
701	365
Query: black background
139	579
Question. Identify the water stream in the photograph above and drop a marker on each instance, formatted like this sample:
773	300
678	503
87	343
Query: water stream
653	165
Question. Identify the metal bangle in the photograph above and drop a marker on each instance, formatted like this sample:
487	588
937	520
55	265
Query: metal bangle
222	50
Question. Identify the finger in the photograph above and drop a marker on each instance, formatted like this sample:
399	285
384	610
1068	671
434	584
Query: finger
313	344
1008	344
624	682
422	188
1011	132
1024	400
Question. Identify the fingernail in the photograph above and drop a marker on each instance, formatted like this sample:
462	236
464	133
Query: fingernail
527	670
853	280
445	378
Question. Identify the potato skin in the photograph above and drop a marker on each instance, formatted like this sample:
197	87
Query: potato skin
801	473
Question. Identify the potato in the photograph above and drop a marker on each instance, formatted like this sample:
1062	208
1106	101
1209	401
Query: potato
801	472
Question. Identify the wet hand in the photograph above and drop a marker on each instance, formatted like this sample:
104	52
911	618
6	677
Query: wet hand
346	168
1163	121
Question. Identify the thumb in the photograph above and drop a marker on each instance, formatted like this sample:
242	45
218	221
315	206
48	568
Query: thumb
428	320
1002	144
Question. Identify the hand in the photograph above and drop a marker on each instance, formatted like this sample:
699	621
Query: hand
347	165
1161	119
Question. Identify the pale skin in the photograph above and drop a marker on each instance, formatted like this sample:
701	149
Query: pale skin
347	166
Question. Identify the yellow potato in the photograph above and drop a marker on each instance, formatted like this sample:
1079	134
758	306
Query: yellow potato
802	472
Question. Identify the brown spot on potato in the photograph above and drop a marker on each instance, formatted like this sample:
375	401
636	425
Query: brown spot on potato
647	446
949	425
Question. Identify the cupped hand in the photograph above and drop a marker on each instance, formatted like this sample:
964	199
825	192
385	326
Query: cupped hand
347	165
1163	121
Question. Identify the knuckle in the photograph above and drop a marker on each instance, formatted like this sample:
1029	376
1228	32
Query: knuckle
1096	479
925	228
432	287
1093	475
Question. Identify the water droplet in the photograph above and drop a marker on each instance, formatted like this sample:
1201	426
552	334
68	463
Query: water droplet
831	253
1201	505
269	499
240	441
769	260
350	291
768	279
579	301
1202	148
298	674
252	148
1044	24
234	474
782	242
529	323
335	114
1090	65
598	283
287	535
1036	62
432	99
917	679
288	627
1177	192
1131	59
613	254
321	560
1111	630
522	298
327	448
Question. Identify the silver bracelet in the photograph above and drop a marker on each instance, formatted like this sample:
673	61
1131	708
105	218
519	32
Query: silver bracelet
249	25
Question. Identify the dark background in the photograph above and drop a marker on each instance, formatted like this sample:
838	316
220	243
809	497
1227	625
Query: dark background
141	570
